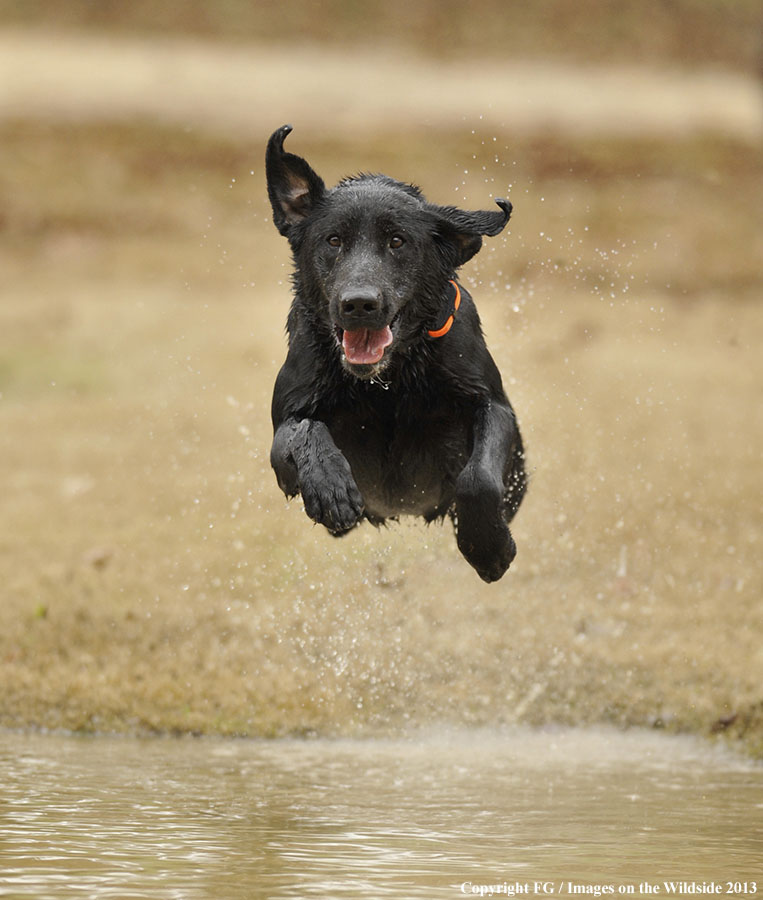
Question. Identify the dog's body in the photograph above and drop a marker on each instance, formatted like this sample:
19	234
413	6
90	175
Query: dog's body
389	402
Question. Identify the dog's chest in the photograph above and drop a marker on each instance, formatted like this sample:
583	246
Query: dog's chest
404	463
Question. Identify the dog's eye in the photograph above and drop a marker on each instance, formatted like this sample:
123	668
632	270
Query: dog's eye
396	242
334	241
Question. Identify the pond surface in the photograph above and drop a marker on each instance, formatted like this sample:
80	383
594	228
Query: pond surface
442	815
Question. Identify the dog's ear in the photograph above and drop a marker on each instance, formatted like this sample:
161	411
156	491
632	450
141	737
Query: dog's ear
463	230
293	187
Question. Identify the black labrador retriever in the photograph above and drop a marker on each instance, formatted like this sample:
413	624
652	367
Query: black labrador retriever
389	402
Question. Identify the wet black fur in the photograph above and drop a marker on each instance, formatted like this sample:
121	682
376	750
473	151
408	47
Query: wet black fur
426	431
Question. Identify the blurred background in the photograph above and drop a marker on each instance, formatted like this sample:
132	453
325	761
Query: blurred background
152	576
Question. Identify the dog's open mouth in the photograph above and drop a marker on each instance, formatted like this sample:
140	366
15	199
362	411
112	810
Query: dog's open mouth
366	346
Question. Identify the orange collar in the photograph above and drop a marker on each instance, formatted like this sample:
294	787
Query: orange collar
456	302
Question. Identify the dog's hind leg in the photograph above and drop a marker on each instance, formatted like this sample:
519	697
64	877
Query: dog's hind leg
516	480
480	511
307	461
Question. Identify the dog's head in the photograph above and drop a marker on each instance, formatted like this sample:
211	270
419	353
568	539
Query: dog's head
371	253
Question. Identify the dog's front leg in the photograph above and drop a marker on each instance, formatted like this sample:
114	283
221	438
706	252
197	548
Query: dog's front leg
481	530
307	461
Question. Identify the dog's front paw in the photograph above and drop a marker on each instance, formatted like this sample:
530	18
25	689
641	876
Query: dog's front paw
330	494
482	535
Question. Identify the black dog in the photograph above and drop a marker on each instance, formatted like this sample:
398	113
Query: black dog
389	402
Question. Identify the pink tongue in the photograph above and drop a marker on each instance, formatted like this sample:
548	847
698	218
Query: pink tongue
365	346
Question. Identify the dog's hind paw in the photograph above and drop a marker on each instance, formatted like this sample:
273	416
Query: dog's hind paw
492	559
482	534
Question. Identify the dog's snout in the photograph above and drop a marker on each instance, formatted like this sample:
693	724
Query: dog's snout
360	304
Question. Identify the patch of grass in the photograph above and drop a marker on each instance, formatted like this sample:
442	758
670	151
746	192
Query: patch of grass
35	369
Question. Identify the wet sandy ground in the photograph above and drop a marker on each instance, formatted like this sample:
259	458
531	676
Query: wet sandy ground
153	578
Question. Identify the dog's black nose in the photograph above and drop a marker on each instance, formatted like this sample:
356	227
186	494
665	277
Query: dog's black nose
361	305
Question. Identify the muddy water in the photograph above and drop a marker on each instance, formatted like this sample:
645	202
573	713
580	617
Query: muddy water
444	815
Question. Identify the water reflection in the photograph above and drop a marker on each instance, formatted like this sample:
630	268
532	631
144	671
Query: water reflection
106	817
